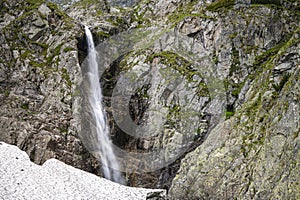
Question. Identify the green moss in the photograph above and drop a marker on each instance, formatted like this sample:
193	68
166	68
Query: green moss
249	49
182	66
257	110
275	2
37	64
6	92
49	59
86	3
253	140
99	12
235	66
202	90
253	107
57	10
119	20
63	130
25	106
260	60
178	17
68	22
26	54
278	87
4	7
44	46
295	135
216	6
16	23
102	34
244	151
175	61
99	6
215	58
234	88
236	91
54	52
65	76
57	49
67	49
186	10
174	110
52	6
229	114
140	18
35	1
33	4
233	35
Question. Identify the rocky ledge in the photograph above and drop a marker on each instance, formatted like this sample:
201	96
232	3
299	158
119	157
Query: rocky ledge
22	179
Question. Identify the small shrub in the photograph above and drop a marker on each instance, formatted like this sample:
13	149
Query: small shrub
215	6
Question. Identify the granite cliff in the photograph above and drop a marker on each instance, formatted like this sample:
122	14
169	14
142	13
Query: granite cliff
215	85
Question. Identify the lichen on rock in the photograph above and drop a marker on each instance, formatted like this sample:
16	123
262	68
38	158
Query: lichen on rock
39	78
225	99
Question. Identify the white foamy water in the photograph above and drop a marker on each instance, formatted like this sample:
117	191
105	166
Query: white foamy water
109	161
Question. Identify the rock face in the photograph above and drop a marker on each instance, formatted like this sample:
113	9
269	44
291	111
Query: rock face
252	51
209	94
39	71
22	179
255	153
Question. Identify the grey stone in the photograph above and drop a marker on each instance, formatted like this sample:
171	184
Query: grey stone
44	10
248	49
283	67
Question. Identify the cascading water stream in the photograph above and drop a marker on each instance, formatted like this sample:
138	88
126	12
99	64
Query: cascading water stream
109	161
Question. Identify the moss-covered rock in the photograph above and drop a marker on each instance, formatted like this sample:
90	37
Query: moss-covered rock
247	52
39	76
253	155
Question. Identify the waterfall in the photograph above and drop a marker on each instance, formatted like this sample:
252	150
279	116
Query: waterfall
109	161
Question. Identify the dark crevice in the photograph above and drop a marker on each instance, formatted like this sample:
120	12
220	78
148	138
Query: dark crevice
82	47
138	105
